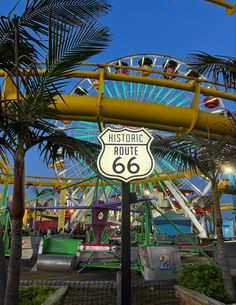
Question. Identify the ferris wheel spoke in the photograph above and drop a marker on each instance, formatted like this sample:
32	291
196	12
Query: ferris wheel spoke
174	98
151	93
165	96
106	89
158	93
192	186
144	92
185	101
125	90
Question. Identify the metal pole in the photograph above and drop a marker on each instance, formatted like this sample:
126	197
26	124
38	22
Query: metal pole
125	250
147	224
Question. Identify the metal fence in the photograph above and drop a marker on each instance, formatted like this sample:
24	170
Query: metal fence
91	293
160	292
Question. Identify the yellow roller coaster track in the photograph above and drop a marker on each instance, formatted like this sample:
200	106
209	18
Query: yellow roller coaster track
103	110
67	182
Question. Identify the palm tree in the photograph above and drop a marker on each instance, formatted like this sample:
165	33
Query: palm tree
204	205
219	68
207	156
69	34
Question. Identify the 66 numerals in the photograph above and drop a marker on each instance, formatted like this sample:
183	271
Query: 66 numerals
131	166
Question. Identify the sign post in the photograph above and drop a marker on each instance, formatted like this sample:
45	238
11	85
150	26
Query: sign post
125	156
125	246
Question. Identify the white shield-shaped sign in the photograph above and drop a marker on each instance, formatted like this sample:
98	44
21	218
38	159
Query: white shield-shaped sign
125	154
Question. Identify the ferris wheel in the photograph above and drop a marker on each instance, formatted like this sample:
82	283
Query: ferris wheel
151	65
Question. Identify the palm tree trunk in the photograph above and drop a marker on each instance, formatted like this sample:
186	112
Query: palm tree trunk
17	213
3	273
213	224
206	225
13	276
221	253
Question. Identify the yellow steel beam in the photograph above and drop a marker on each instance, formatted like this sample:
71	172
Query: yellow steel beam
100	98
188	86
227	206
230	7
128	112
62	213
163	177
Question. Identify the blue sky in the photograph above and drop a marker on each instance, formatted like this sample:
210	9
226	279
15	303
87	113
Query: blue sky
169	27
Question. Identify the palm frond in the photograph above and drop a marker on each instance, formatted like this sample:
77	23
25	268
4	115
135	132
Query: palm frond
178	152
216	66
37	12
202	201
6	27
27	52
51	145
69	48
38	94
5	146
196	154
27	55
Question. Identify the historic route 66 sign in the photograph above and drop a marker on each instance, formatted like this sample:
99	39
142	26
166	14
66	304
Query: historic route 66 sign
125	154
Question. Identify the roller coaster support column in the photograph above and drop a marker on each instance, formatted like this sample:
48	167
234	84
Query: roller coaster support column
125	249
61	214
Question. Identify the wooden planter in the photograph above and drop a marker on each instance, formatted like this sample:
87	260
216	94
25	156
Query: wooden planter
188	296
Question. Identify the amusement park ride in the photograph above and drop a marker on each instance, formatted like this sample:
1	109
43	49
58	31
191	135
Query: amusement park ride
153	91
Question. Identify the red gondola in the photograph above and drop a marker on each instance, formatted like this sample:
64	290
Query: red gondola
211	102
